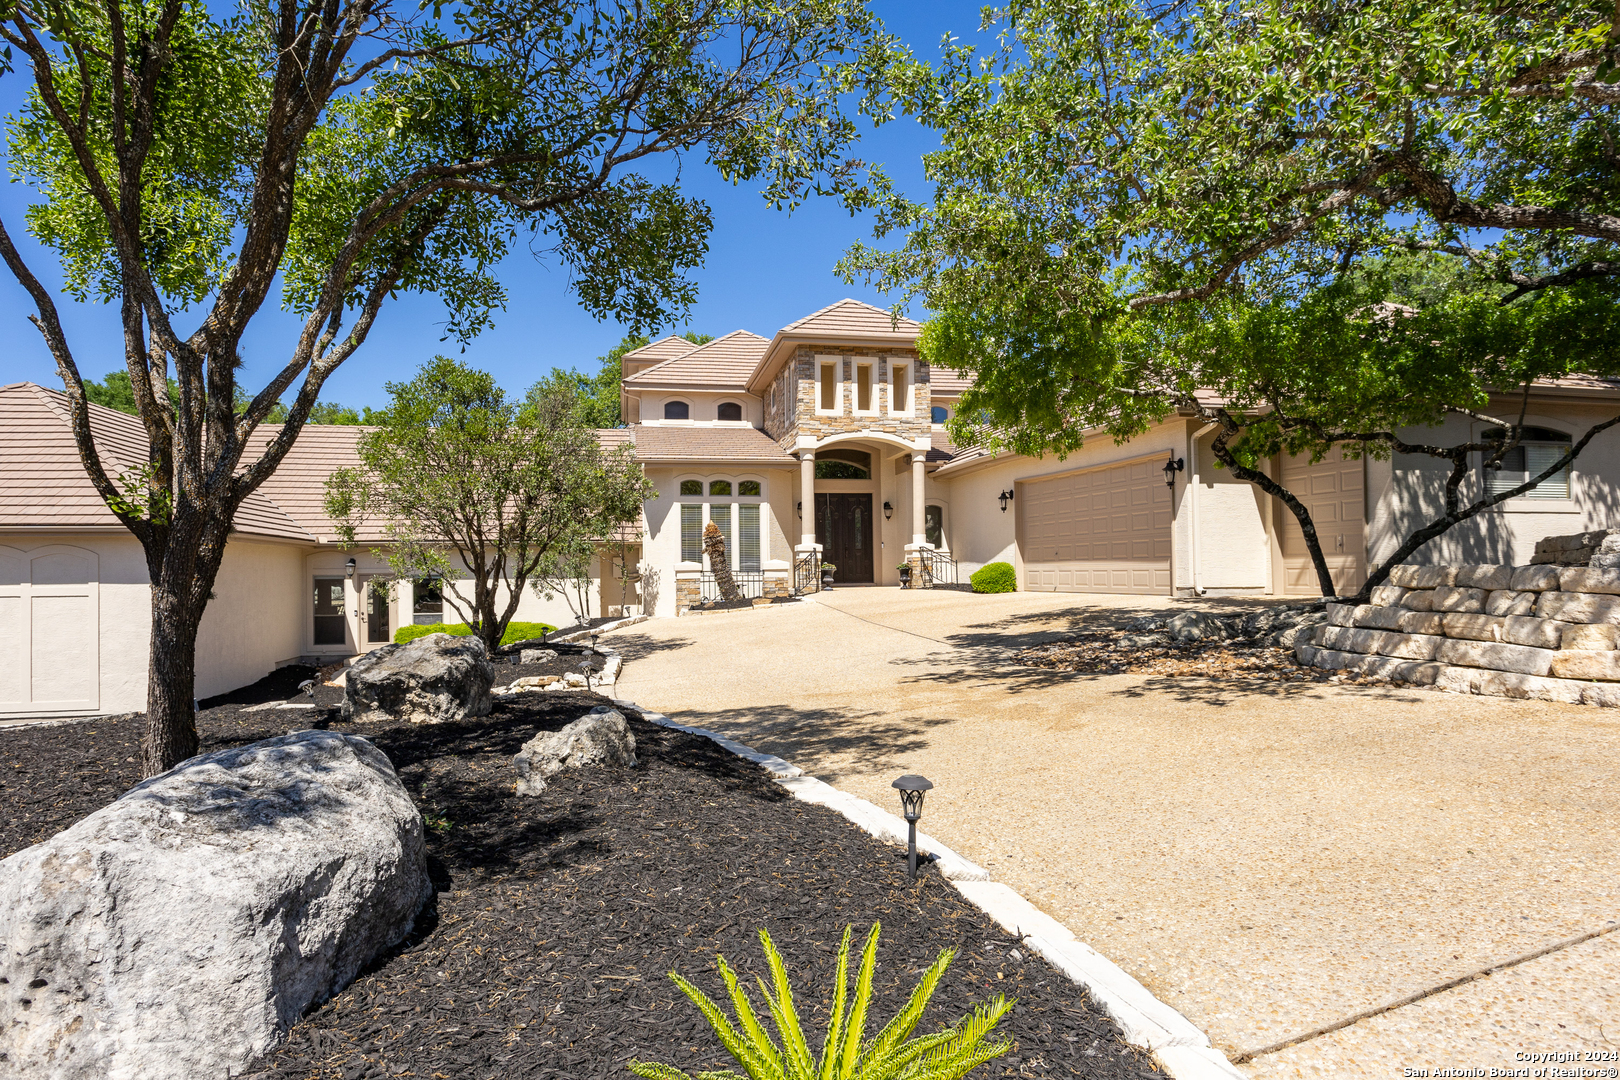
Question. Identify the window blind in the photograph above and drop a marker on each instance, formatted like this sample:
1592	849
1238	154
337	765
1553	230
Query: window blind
748	557
721	516
691	532
1525	461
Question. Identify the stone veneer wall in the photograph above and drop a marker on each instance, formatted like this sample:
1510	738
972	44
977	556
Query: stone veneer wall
1543	632
798	383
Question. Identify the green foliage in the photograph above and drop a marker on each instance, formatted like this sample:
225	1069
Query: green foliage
598	394
846	1052
115	392
994	578
515	631
468	483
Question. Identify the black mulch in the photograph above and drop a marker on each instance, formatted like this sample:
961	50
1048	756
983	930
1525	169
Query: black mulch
546	950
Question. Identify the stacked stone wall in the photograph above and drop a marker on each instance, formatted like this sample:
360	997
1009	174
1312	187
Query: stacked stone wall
806	389
1542	631
1600	547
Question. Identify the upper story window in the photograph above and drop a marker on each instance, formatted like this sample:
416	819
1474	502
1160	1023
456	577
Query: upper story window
719	487
939	413
899	388
828	389
748	488
1538	448
729	410
863	388
677	410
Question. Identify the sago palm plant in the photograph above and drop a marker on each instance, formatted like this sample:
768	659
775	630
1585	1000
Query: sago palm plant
846	1053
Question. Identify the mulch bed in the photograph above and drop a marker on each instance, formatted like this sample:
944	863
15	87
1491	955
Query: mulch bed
1107	652
546	951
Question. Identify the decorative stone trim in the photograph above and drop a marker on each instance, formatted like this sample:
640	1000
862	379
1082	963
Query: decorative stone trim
1179	1047
1541	631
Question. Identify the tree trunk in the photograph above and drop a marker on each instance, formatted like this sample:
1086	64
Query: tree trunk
171	681
714	545
1324	577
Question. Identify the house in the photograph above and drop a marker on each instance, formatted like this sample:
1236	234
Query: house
74	601
821	444
827	439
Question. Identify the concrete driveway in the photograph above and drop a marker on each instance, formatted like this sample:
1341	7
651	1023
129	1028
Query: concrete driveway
1269	859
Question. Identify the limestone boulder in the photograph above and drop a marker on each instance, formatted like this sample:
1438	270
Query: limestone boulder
1421	622
1195	626
1534	578
1598	665
1388	595
1499	656
1507	602
1473	627
1372	617
1434	577
536	656
432	679
1404	576
1578	607
1591	637
1450	598
1418	600
1484	577
1583	579
180	931
1539	633
600	737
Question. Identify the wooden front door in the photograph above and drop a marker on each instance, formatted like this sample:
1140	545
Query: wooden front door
844	531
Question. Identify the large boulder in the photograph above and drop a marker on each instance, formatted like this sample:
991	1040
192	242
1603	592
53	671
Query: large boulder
434	678
181	930
600	737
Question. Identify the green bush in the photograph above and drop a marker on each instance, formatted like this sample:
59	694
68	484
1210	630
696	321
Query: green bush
515	631
995	577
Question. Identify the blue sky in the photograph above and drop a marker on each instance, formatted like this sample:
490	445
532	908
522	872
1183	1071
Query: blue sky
764	269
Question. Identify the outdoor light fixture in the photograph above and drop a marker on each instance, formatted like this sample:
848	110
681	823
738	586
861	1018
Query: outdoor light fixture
911	790
1005	497
799	508
1172	466
349	568
888	511
594	635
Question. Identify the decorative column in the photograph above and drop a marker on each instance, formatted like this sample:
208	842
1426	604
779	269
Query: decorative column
807	499
919	527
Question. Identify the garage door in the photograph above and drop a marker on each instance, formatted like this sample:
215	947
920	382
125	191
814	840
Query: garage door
48	631
1334	491
1106	530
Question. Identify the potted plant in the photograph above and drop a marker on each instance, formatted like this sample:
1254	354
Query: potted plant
905	575
827	569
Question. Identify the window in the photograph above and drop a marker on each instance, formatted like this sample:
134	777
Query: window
829	387
720	514
840	464
899	389
863	387
939	414
1537	449
748	487
748	555
677	410
719	487
729	410
329	611
934	525
691	487
691	532
427	606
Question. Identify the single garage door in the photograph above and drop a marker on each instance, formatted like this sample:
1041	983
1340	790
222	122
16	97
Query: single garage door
1334	491
1105	530
48	631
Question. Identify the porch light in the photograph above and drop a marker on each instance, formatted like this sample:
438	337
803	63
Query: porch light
799	508
888	511
911	790
348	568
1005	497
1172	466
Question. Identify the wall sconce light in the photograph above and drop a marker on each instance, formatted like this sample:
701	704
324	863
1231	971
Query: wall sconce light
1172	466
1005	497
799	508
888	511
348	568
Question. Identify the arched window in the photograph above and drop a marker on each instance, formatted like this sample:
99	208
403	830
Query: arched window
730	410
840	464
939	414
719	487
677	410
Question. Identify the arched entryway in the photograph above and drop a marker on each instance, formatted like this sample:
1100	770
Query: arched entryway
844	513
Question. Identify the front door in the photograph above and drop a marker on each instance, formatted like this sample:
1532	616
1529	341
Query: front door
376	605
844	531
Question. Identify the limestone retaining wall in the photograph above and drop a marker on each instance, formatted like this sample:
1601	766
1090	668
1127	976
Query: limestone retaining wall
1544	632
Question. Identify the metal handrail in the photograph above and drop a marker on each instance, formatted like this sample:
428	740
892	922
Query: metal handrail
751	583
807	573
938	568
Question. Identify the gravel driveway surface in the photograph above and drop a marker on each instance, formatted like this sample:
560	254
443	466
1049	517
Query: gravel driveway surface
1269	858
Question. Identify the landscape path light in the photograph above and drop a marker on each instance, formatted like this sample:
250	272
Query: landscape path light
911	790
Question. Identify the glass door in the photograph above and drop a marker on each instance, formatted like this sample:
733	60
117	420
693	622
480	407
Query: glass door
329	617
376	613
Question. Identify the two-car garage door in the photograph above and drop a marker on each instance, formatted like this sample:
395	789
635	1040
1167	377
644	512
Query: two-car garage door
1104	530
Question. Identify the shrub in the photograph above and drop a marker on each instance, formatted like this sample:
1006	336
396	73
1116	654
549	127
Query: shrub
515	631
995	577
846	1053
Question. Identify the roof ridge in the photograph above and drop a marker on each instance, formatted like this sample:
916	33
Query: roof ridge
660	341
894	319
644	372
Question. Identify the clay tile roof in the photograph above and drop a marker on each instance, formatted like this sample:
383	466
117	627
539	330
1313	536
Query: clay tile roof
945	381
726	362
298	485
613	438
852	318
656	444
43	485
655	353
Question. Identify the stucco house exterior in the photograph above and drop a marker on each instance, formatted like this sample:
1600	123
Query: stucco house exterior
822	443
828	438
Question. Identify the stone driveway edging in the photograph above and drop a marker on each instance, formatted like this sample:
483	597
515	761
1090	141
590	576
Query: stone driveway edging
1178	1046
